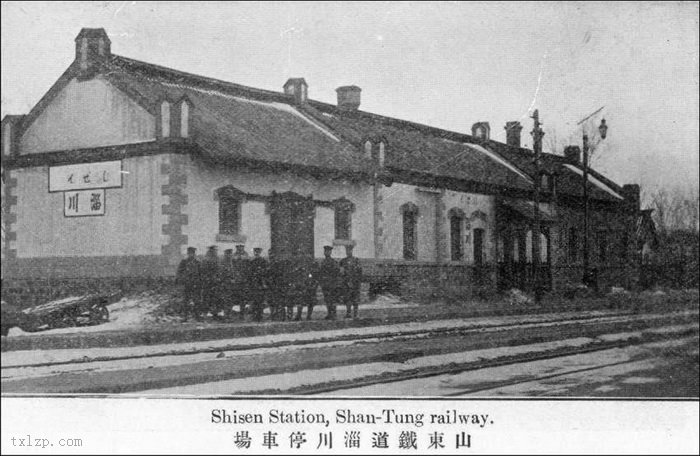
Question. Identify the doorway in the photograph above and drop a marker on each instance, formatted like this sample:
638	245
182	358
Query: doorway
291	224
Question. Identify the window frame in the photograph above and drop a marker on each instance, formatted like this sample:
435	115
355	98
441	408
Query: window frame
230	195
409	211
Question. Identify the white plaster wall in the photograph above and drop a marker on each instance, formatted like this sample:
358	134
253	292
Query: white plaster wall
88	114
131	225
392	198
203	213
471	203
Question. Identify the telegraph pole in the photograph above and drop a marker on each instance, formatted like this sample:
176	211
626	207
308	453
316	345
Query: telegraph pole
586	278
537	135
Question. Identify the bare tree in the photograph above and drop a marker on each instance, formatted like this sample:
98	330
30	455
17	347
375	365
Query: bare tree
676	209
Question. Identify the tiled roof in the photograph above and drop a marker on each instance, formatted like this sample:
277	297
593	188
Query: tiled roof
426	150
570	176
234	122
231	123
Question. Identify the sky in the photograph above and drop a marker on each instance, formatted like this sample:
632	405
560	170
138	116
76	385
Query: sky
447	64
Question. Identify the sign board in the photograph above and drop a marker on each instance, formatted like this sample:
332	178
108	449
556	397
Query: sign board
83	176
84	203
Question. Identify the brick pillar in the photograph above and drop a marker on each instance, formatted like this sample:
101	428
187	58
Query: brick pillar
175	189
10	216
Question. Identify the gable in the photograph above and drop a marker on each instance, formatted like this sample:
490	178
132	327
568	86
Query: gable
88	114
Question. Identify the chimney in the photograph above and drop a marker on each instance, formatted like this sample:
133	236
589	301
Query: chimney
91	44
513	133
573	154
298	88
631	193
348	97
10	134
481	131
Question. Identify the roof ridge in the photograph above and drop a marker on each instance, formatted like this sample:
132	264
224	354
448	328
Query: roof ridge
199	78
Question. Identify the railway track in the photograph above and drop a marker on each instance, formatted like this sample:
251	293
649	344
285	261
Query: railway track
451	370
382	336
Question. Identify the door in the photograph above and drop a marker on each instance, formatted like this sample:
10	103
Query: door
291	224
478	247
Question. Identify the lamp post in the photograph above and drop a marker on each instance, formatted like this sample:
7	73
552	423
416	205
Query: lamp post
603	130
537	135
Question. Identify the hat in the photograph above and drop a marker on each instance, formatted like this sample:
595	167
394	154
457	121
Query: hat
327	247
257	249
213	247
240	246
191	249
227	251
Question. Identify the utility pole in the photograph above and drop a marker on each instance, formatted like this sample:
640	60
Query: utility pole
537	135
586	278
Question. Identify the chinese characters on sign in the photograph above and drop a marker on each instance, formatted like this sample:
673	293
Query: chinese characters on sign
84	176
83	186
84	203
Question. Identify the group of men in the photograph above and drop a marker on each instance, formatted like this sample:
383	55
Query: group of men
215	285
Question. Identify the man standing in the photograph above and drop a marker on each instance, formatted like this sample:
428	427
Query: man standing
310	283
188	276
275	286
352	278
241	271
210	282
258	271
328	278
226	285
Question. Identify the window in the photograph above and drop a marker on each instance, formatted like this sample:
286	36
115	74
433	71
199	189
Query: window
602	246
456	222
343	209
410	229
229	215
528	246
478	247
381	153
368	148
544	254
573	244
165	119
230	201
184	119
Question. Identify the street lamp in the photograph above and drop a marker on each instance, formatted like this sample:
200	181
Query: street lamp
587	279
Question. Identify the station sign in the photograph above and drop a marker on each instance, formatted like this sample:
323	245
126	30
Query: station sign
84	176
84	203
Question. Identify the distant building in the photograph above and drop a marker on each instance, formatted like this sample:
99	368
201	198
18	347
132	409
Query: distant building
123	164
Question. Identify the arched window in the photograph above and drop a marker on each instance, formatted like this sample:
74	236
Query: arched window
381	153
343	218
230	200
528	246
165	119
184	119
368	149
409	213
544	254
456	217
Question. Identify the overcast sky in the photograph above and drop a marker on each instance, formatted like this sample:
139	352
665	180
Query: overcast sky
443	64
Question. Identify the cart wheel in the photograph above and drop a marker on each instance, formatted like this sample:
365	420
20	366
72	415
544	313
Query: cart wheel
65	321
99	314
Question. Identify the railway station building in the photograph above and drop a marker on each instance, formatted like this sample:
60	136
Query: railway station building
123	164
